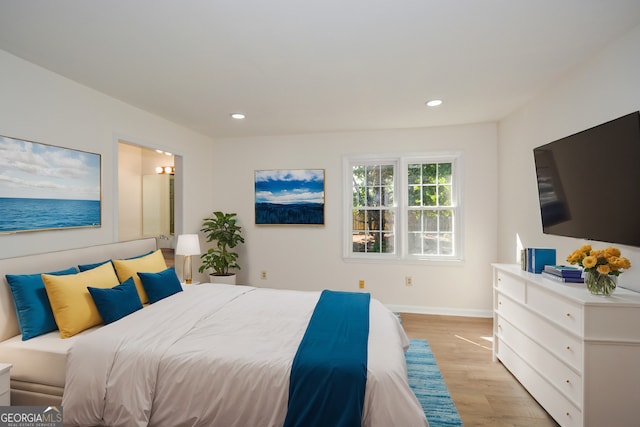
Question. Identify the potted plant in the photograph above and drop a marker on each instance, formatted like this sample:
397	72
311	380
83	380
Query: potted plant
223	228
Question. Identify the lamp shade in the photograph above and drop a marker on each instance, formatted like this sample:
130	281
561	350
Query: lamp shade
188	244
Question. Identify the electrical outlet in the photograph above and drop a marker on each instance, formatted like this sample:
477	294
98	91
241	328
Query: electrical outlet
361	284
263	275
408	280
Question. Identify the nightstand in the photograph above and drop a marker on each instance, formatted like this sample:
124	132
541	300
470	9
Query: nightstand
5	377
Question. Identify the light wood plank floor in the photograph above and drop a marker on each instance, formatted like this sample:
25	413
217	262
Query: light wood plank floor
485	392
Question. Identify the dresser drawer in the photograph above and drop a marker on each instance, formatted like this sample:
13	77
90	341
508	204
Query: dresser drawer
563	345
558	310
5	399
5	380
510	285
557	405
550	367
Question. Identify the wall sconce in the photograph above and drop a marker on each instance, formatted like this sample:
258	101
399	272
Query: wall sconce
166	170
188	244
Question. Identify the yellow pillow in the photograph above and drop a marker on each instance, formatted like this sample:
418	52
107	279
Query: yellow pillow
152	263
71	303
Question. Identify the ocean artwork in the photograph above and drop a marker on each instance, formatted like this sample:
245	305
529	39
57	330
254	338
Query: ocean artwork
44	187
289	197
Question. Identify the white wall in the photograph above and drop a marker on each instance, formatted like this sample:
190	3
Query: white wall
604	88
310	258
44	107
129	202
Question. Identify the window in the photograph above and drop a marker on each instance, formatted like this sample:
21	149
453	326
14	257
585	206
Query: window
430	209
403	207
373	207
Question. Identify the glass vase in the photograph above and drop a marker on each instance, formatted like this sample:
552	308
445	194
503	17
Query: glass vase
600	284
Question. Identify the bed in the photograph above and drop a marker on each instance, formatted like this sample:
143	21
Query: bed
39	364
210	354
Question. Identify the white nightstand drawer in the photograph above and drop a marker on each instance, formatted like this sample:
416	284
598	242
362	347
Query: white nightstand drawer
5	380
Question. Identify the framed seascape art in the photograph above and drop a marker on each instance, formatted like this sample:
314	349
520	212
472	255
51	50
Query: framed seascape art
44	187
289	197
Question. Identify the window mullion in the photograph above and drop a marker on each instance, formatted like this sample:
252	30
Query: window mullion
401	189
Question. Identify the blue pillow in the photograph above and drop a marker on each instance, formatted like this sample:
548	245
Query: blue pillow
117	302
32	304
85	267
160	285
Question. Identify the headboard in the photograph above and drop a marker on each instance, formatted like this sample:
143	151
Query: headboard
52	261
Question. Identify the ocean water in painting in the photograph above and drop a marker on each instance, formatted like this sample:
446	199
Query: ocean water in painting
20	214
302	213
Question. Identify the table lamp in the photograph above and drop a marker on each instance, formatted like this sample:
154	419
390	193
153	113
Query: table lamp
188	244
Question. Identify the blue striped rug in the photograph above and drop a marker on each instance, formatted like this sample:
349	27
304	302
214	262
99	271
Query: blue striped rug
426	382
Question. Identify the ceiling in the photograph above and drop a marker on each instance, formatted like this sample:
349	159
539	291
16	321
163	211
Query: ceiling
303	66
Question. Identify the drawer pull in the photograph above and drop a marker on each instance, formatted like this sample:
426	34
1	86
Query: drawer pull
568	414
568	382
568	314
569	348
499	302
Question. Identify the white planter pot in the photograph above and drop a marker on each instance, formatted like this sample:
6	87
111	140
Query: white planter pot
229	280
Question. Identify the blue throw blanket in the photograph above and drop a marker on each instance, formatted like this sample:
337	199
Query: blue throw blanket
329	372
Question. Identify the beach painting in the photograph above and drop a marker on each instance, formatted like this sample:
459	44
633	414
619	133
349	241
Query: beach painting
44	187
289	197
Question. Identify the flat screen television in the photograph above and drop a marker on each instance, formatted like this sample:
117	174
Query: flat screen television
589	183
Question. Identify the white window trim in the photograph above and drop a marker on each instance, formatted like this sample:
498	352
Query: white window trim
401	161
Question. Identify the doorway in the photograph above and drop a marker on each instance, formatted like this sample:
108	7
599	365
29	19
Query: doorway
146	193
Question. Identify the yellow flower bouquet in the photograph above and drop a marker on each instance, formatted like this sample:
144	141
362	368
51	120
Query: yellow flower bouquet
602	267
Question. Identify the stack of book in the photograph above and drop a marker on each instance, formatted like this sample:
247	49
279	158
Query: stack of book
534	259
563	273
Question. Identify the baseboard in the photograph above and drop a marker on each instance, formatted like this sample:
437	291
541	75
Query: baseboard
444	311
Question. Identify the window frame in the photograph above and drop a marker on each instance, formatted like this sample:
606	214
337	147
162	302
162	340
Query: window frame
401	162
348	219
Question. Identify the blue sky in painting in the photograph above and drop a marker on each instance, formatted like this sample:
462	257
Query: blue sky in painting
290	186
39	171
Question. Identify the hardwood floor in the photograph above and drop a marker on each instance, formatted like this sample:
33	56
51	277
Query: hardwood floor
485	392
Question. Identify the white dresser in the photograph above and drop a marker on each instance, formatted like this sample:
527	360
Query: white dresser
5	378
577	354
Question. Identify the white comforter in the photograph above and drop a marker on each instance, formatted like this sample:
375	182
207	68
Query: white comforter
220	355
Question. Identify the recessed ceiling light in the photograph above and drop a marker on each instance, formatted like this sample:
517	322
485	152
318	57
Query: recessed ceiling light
434	102
238	116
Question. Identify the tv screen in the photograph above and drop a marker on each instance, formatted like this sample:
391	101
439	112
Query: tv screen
589	183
